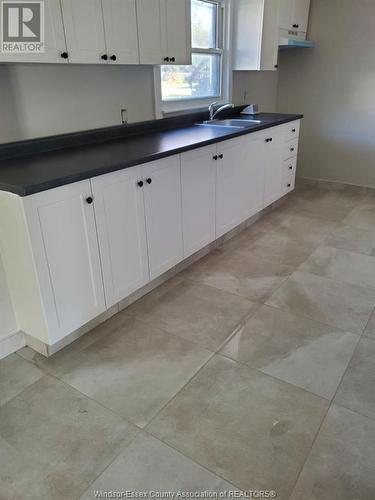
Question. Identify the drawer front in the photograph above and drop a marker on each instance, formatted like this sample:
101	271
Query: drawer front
289	167
288	184
292	130
290	149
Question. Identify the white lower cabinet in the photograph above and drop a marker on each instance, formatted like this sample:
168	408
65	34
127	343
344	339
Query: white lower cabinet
61	226
198	179
280	160
84	247
239	185
162	197
120	218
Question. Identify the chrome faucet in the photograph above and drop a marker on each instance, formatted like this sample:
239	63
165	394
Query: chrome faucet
213	113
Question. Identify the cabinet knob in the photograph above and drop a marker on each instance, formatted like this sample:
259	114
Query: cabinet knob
295	25
166	59
89	200
289	185
64	55
221	156
293	129
173	59
140	183
113	58
215	157
276	65
290	167
292	149
104	57
149	180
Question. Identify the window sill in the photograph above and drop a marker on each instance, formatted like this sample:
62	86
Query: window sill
180	107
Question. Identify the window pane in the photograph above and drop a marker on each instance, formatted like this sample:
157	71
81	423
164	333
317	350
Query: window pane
203	24
201	79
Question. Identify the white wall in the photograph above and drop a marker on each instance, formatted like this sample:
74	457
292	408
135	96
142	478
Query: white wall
334	86
38	100
256	87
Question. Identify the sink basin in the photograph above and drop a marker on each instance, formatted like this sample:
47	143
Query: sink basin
231	122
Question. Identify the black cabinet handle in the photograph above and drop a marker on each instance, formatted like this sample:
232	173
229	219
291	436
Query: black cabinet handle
140	183
215	157
293	129
104	57
292	149
173	59
89	200
64	55
290	167
289	185
276	65
149	180
113	58
269	139
221	156
295	25
166	59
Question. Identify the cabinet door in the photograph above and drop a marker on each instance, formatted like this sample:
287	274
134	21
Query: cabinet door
251	189
151	19
286	8
300	15
239	179
162	195
294	14
120	219
54	39
198	177
84	30
66	253
120	23
270	37
178	24
273	166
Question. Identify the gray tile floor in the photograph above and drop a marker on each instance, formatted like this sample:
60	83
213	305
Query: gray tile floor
252	369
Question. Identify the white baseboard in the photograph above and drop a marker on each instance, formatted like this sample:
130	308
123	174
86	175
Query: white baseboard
11	344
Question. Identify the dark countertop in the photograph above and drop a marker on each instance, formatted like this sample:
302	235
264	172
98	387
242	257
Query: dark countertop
54	165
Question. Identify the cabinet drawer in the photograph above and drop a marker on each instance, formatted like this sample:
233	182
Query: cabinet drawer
290	149
288	184
292	130
289	167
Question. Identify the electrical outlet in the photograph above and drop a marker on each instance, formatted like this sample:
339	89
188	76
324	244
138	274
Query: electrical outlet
124	116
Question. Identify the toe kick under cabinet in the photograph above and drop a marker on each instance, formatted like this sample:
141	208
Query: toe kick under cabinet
74	251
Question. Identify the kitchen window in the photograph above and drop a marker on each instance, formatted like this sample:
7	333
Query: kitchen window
203	81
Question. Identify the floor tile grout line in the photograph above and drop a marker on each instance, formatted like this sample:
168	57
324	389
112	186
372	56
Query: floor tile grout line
332	402
150	433
252	367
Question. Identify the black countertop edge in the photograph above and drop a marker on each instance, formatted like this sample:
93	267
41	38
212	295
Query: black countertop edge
95	136
26	186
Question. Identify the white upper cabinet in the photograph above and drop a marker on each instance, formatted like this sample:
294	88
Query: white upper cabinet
120	23
294	15
255	35
120	218
64	242
162	196
198	179
164	31
55	46
84	30
152	31
178	26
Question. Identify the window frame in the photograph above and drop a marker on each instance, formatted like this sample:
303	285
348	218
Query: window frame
174	106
